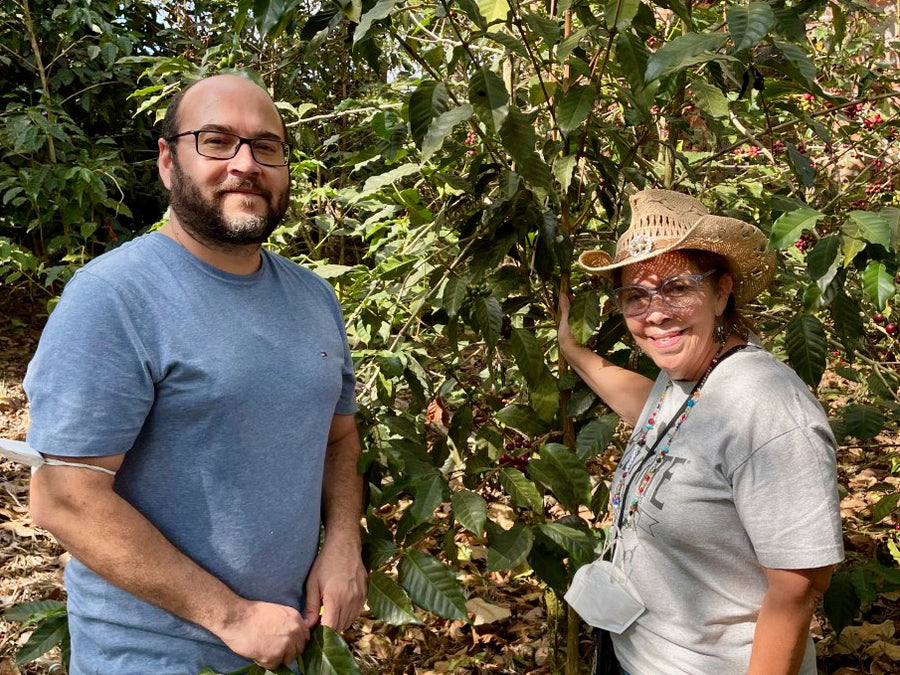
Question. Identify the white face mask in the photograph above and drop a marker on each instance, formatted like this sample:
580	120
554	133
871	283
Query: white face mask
603	596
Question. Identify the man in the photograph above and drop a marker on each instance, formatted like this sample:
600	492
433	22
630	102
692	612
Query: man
198	391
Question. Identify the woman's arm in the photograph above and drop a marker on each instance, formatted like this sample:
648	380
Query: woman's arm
621	389
782	629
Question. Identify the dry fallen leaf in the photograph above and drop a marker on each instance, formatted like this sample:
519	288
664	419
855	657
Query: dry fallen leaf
882	648
485	613
853	637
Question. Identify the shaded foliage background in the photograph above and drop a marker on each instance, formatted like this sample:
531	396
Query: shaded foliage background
449	159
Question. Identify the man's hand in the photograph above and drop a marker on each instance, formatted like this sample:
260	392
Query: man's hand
266	633
337	586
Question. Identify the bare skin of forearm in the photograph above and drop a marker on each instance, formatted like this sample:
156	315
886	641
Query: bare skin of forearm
342	488
113	539
336	586
782	629
623	390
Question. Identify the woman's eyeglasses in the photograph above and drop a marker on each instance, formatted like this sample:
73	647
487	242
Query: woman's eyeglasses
680	291
222	145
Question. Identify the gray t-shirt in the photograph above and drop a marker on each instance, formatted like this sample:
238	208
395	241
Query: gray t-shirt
749	483
220	389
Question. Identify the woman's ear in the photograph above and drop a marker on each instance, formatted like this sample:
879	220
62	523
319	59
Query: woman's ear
725	286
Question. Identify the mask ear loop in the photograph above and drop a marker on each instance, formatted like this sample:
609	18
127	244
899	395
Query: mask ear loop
611	549
77	465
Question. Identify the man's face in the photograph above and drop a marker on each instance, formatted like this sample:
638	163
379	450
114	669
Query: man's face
221	214
233	201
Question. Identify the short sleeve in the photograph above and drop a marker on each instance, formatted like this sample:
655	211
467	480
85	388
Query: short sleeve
90	384
786	496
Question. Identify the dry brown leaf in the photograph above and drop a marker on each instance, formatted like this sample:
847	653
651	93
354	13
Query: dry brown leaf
501	514
19	529
881	648
485	613
854	637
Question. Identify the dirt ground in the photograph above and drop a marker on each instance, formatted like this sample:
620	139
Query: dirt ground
517	631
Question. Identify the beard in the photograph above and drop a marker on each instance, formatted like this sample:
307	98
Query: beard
205	220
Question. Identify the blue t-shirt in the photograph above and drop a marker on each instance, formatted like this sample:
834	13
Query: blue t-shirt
220	389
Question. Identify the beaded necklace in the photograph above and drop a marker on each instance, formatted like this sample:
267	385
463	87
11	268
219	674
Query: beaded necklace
665	438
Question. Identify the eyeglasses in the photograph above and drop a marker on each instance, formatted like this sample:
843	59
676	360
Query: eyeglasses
222	145
680	291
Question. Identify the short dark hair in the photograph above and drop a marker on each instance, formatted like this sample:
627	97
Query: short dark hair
171	120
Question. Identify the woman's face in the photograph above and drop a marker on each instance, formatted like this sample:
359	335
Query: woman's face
678	339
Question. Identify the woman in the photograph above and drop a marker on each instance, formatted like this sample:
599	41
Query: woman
726	495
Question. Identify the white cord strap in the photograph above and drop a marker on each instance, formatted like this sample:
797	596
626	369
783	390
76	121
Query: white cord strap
80	465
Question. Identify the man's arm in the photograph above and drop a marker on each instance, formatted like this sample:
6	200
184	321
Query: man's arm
336	585
782	629
103	531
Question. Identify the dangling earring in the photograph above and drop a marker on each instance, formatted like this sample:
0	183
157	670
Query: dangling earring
720	333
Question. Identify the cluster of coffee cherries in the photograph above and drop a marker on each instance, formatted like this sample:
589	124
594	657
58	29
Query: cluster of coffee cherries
471	139
805	242
516	461
890	327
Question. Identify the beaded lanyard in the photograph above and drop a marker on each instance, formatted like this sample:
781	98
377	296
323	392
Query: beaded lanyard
668	434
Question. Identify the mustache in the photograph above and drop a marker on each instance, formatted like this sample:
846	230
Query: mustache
248	184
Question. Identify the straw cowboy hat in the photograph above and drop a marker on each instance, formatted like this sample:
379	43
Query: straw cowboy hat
663	221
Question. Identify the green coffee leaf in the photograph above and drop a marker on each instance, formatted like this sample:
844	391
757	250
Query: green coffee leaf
522	418
522	491
748	24
326	653
806	347
584	316
595	436
388	601
683	52
871	227
789	226
577	543
52	632
564	474
381	10
507	548
489	98
709	99
488	317
878	283
801	165
863	421
432	585
574	107
441	126
620	13
631	57
822	261
429	100
529	355
885	507
493	10
470	511
841	601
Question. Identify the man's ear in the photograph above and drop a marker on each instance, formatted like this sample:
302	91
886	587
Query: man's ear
164	162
